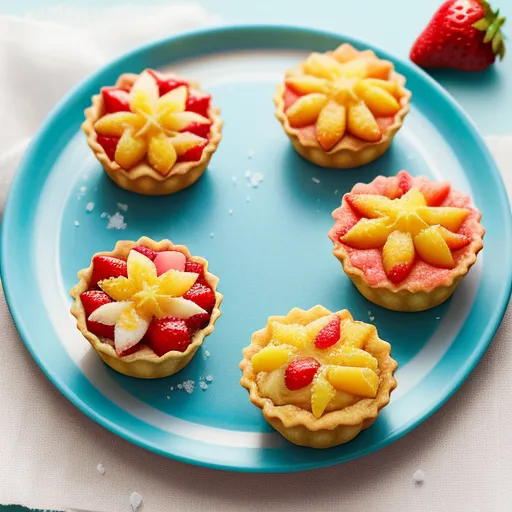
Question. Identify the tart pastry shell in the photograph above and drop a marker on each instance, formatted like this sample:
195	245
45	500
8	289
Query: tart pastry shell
143	178
299	425
143	364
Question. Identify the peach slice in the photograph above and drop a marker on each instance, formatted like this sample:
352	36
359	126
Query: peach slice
432	248
305	84
345	52
305	110
144	95
453	240
449	217
413	199
330	126
178	121
182	142
355	334
410	222
114	125
367	234
379	101
173	101
379	69
322	393
161	153
270	358
398	256
371	206
130	150
435	193
362	124
175	283
322	66
350	356
354	380
356	68
289	334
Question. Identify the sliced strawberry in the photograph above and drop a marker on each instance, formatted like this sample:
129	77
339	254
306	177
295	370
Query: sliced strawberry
193	154
91	301
194	266
202	295
146	251
115	100
198	102
329	335
404	182
399	272
166	82
200	129
197	322
130	350
300	373
435	193
109	144
105	267
166	334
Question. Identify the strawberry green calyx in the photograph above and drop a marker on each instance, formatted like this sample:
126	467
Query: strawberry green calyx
491	24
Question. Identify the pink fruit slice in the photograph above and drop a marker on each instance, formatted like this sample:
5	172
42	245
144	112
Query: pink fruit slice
167	260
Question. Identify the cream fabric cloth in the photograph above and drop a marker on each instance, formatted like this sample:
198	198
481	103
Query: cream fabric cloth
49	450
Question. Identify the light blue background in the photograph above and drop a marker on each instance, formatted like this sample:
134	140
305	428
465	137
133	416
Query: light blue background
391	24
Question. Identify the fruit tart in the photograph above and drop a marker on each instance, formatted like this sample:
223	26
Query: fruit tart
342	108
319	377
406	242
146	307
153	133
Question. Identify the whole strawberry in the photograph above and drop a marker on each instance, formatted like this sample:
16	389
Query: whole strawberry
462	34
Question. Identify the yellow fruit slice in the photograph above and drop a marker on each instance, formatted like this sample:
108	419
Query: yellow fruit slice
313	328
119	288
345	52
398	256
330	125
322	66
453	240
432	248
113	125
141	270
362	124
379	69
130	150
446	216
178	121
182	142
270	358
410	222
305	84
306	110
391	87
357	381
356	334
173	101
412	200
176	283
367	234
321	394
144	95
354	69
372	206
350	356
379	101
161	153
289	334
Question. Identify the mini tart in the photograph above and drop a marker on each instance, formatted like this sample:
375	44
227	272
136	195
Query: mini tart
153	133
318	377
406	242
141	340
342	108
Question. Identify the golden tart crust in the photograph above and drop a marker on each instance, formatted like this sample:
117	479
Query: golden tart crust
144	364
426	286
335	427
350	151
143	178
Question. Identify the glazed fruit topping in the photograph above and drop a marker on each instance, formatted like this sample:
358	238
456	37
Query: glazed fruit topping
340	92
160	119
311	354
412	226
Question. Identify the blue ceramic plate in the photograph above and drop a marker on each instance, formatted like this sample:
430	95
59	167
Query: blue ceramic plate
268	244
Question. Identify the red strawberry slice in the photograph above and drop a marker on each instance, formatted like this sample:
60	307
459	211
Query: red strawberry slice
146	251
105	267
91	301
300	373
399	272
193	154
200	129
194	266
167	82
202	295
109	144
435	193
130	350
166	334
115	100
329	335
198	102
196	322
404	182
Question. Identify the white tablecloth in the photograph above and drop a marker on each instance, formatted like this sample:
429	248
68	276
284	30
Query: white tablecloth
49	451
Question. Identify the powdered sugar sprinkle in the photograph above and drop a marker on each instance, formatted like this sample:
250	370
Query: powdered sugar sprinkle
135	500
315	180
116	221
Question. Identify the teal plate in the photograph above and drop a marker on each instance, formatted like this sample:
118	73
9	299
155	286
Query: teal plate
271	252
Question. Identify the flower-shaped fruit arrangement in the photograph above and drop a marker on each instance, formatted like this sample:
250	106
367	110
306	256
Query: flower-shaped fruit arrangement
153	133
146	307
342	108
406	242
319	377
